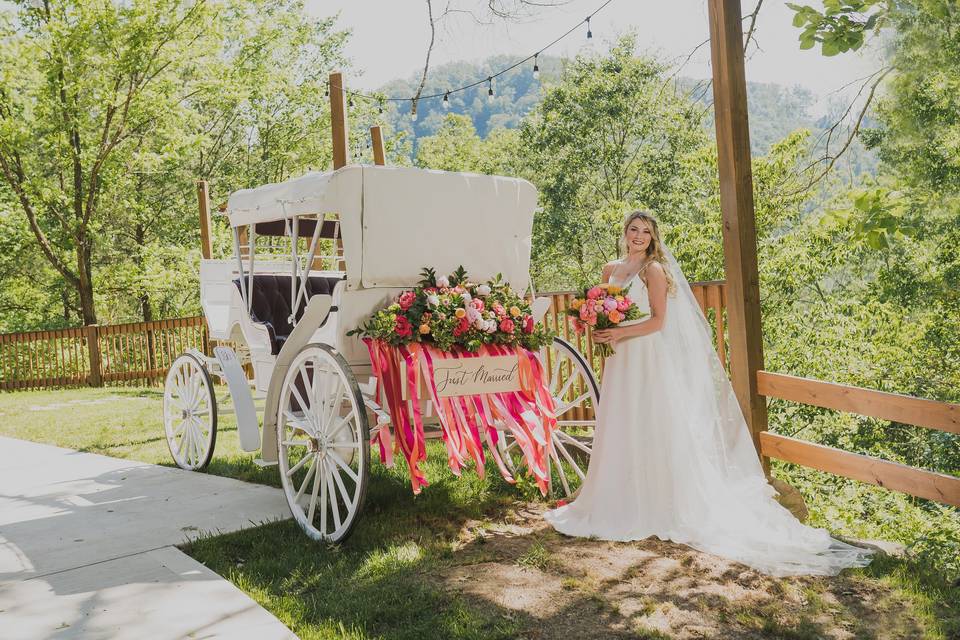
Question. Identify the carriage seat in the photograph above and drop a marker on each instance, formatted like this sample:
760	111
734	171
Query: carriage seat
272	304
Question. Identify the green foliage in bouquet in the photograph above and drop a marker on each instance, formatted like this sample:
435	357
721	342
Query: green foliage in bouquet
453	312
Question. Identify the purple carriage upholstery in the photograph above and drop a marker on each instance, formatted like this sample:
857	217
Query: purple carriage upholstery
272	306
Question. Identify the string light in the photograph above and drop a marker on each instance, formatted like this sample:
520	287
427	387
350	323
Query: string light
445	95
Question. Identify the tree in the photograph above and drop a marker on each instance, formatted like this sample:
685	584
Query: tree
80	82
109	112
613	134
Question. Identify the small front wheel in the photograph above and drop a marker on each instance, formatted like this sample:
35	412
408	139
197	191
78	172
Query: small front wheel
323	440
189	413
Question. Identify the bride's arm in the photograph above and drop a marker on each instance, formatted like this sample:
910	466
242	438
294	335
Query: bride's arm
656	282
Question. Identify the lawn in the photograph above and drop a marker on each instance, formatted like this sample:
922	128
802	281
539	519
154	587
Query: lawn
471	557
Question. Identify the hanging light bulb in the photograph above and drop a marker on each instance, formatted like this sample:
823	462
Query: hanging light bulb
413	110
350	101
326	91
589	33
380	106
490	89
536	67
446	100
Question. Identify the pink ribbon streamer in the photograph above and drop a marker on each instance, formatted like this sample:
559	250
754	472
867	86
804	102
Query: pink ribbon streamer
465	421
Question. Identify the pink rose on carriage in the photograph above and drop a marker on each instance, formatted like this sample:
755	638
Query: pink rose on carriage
506	325
406	299
594	293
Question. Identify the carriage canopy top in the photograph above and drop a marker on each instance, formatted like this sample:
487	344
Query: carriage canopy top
396	220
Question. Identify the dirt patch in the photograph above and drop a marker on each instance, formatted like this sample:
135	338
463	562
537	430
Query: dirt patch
560	587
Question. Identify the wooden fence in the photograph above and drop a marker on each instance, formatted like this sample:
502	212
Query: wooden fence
142	351
96	355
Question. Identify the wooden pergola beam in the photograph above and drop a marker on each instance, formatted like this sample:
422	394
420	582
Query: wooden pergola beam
736	204
376	138
203	199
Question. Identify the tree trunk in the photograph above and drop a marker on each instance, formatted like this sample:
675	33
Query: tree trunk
85	283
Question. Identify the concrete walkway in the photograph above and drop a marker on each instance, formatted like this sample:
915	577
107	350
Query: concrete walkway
87	548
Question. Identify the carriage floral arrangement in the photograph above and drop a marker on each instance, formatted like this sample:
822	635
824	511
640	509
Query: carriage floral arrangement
455	313
435	327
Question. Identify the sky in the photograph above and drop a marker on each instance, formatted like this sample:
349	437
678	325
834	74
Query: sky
390	37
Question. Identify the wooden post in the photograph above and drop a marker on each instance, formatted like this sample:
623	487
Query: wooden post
338	120
376	138
93	348
203	196
736	204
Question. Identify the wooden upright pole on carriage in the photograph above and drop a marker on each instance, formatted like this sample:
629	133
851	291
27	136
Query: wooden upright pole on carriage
376	139
338	120
203	198
736	204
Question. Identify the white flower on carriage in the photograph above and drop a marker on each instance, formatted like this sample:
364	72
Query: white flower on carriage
433	300
473	316
466	297
491	326
443	281
483	290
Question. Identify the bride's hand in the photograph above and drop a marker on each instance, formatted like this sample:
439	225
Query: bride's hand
604	336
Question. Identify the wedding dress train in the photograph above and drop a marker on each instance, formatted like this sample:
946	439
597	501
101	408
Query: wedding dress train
673	458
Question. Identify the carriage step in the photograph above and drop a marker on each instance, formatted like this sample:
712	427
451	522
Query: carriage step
263	464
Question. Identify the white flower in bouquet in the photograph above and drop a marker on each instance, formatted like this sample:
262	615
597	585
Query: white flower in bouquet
433	299
483	290
466	297
443	281
491	326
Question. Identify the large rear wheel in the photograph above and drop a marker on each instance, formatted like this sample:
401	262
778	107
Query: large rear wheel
323	439
576	396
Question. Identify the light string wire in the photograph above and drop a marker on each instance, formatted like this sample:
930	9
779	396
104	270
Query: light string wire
489	78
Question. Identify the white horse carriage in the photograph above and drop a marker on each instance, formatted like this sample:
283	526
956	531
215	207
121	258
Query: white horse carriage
354	238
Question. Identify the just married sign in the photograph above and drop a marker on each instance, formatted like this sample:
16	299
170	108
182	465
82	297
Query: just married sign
470	376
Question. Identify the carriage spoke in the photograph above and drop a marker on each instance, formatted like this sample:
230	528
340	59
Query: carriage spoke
334	406
569	459
343	421
566	437
297	422
563	476
331	492
322	474
566	385
338	479
573	403
304	407
343	465
297	466
555	374
311	468
316	489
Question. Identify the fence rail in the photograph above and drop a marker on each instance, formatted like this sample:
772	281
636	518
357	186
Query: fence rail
142	351
94	355
931	414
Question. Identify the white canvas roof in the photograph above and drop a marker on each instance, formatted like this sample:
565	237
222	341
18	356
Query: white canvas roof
397	220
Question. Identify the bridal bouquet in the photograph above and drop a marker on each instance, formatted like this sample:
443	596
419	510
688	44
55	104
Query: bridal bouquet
448	311
602	307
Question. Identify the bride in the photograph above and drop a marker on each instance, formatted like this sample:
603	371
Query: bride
672	455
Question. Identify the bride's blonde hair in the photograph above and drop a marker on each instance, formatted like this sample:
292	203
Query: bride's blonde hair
654	249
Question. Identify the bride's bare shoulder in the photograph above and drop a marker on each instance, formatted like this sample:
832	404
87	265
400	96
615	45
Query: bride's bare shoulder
608	270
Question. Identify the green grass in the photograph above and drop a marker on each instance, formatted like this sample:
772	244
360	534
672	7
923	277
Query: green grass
385	581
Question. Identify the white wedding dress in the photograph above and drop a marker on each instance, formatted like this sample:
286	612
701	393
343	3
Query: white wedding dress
673	458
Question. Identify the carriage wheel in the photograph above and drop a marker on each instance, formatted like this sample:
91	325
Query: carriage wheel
322	434
189	413
576	395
